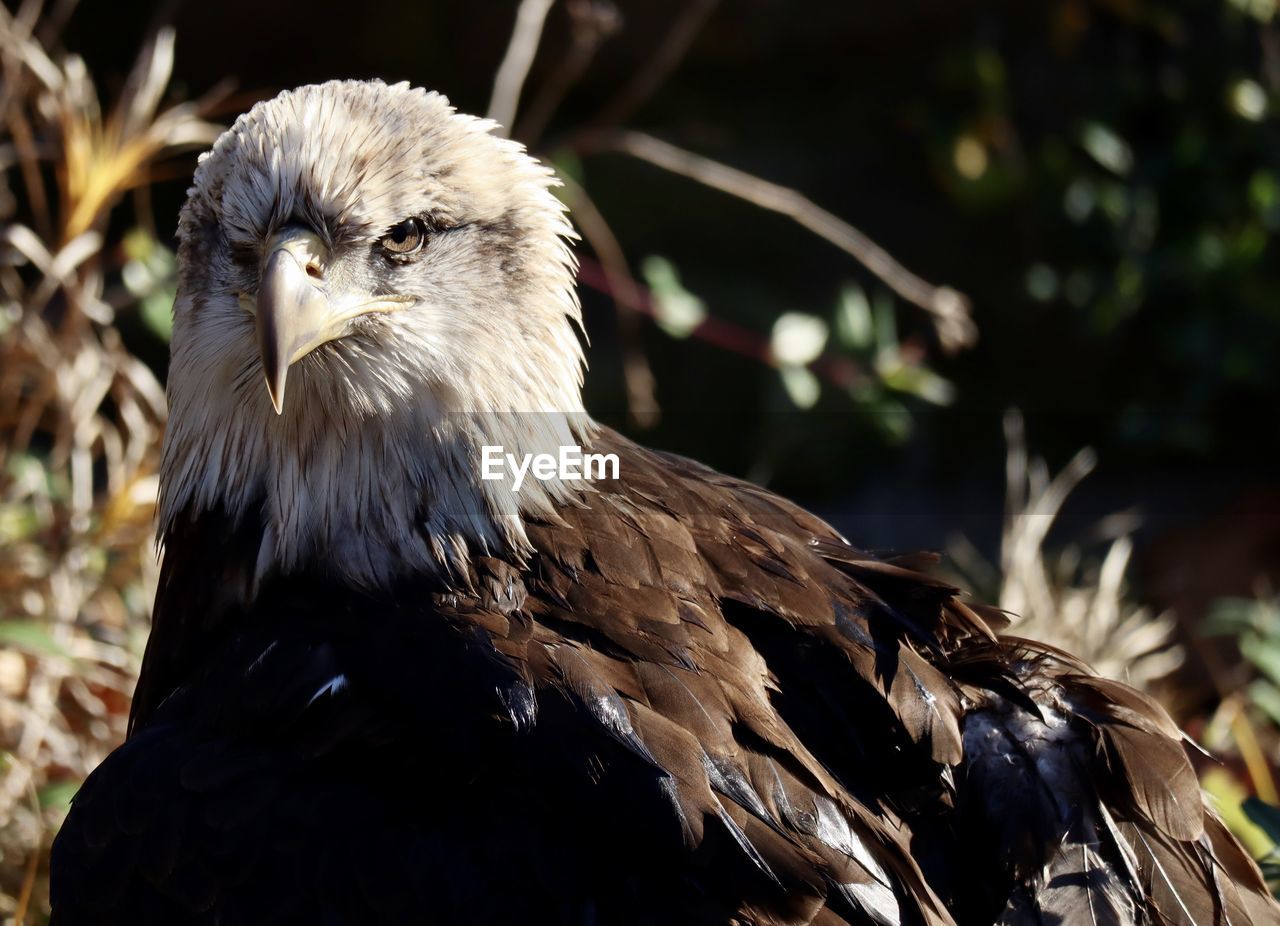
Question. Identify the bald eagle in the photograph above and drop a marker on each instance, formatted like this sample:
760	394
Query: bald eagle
383	687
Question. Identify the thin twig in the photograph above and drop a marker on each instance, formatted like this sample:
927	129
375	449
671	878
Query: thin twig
32	866
1252	753
841	372
592	22
642	402
667	57
33	182
509	80
950	309
53	21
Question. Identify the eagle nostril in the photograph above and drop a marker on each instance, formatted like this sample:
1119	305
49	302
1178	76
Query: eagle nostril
314	270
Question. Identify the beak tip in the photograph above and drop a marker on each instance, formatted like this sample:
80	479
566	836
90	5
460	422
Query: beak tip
275	391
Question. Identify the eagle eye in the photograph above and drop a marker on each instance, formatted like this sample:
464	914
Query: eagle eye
404	238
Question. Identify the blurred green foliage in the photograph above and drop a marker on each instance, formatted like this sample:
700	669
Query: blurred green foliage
1255	627
150	274
1132	147
1267	818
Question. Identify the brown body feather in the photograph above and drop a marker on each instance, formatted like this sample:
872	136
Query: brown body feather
837	738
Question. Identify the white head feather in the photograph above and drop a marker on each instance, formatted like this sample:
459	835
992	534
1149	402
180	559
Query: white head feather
373	465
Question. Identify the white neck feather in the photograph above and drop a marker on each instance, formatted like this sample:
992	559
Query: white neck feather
364	497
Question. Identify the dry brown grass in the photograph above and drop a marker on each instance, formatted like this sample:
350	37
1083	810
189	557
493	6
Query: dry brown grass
80	426
1060	595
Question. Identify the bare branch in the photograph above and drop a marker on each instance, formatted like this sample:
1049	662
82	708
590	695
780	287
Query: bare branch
642	402
33	864
950	309
592	21
509	80
52	22
675	45
839	371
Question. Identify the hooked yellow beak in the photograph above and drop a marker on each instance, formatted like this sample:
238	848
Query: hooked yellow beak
295	309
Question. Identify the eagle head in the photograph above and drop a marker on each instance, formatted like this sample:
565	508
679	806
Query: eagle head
372	287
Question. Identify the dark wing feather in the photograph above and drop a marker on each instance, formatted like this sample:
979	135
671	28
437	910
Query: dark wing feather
844	661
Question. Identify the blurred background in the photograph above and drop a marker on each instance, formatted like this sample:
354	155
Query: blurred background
992	278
